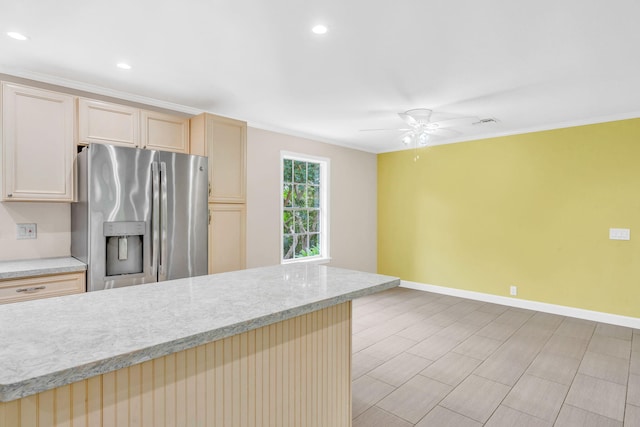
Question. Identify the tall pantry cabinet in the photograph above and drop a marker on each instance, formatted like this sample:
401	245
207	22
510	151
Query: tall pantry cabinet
224	142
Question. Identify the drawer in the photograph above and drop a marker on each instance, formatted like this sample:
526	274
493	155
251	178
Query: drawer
41	287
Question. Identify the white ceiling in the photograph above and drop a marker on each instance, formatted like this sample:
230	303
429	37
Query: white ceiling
530	64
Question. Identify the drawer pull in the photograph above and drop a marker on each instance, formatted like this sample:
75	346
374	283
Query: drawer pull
31	290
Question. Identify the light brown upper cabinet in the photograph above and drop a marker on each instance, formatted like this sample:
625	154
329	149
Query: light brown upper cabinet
108	123
165	132
38	128
224	141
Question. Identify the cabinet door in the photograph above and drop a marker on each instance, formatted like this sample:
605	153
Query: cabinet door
226	148
226	237
38	144
165	132
106	123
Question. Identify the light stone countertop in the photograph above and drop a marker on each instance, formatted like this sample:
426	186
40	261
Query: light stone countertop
39	267
51	342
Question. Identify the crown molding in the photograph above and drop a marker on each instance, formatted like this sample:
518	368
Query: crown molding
98	90
289	132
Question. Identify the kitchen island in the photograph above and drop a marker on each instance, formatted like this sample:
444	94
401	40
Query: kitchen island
265	346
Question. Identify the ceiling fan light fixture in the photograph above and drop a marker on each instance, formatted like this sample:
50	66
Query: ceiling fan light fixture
423	138
407	138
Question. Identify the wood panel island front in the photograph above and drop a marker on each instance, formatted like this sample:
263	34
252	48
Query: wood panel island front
265	346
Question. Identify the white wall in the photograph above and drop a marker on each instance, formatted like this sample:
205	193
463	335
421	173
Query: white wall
352	200
53	230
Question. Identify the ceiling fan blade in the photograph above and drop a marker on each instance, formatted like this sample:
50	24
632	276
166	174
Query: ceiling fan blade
411	121
376	130
444	133
450	123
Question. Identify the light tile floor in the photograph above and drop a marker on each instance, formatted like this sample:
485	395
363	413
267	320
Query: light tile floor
424	359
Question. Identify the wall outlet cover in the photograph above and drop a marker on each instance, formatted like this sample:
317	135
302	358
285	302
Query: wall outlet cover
620	234
513	290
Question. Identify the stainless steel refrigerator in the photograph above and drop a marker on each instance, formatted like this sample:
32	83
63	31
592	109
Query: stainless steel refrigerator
141	216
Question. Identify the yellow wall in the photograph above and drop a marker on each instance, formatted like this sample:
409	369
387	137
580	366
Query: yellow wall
531	210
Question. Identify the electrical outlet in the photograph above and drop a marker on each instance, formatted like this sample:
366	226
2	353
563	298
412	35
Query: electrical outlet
513	290
26	231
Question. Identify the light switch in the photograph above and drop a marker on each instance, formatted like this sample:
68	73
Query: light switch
26	231
619	234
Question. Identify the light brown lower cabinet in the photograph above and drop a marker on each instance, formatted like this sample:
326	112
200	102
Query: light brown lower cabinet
296	372
15	290
227	237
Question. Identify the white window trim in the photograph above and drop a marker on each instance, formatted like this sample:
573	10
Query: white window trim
325	168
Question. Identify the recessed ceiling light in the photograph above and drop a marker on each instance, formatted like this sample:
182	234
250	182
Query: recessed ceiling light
124	66
320	29
17	36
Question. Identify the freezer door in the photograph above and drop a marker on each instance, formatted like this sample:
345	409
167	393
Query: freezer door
183	216
119	183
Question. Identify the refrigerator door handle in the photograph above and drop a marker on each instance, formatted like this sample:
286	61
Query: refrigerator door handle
155	217
163	221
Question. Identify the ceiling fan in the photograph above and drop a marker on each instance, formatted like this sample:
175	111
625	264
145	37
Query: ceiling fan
421	128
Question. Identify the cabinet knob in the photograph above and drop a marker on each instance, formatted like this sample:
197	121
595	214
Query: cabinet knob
11	195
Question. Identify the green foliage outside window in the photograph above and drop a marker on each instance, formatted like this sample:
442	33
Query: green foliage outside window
301	209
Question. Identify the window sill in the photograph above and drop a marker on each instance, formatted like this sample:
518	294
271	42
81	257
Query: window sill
311	260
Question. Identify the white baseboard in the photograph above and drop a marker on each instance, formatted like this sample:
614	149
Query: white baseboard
596	316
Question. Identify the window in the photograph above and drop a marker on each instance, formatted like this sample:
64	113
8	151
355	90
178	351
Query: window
304	208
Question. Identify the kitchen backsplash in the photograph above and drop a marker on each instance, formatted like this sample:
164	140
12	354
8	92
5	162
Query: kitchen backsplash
52	230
